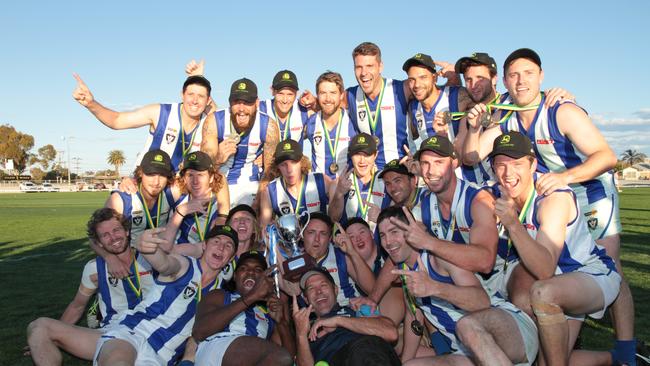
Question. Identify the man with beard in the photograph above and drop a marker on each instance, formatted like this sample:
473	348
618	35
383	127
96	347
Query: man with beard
149	207
339	335
400	184
556	250
174	128
429	106
245	140
444	293
570	151
378	106
108	230
329	131
156	330
284	107
246	325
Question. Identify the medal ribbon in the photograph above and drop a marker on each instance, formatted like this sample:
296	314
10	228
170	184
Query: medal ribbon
363	207
455	116
186	150
283	132
522	217
373	121
300	194
336	137
207	221
449	233
409	298
136	289
146	208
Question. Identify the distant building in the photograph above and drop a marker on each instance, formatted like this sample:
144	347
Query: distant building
640	171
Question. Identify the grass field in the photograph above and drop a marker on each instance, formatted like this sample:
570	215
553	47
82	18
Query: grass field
43	249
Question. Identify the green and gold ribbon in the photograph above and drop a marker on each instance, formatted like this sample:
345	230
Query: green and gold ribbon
363	207
373	121
207	221
336	137
136	289
522	217
146	208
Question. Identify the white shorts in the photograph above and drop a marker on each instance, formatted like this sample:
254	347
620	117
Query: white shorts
212	350
242	193
610	285
602	217
498	281
145	354
527	329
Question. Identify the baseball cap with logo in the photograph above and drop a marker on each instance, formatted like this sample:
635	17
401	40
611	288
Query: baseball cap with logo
288	150
437	144
243	89
252	255
362	142
197	160
317	270
395	166
512	144
526	53
420	59
477	58
156	162
285	79
223	230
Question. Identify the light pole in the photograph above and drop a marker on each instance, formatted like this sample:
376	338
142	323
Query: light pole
67	140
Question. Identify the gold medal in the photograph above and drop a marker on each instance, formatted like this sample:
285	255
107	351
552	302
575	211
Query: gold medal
334	168
235	137
376	140
417	327
446	117
486	120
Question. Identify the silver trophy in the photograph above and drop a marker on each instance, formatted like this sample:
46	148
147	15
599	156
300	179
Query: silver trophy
289	231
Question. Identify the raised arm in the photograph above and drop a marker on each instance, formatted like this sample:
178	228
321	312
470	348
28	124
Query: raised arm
169	266
144	116
272	139
578	128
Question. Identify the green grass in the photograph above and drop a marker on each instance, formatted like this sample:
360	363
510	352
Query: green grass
43	248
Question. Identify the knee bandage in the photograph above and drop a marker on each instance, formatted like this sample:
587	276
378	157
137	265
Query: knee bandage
548	314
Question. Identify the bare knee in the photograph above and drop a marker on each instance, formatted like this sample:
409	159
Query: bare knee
467	328
38	328
543	292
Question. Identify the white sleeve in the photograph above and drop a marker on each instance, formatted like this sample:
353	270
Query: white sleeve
86	278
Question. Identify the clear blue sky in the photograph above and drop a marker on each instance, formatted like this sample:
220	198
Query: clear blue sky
133	53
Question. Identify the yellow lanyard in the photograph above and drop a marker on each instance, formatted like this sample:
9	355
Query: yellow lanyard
136	289
300	194
326	132
522	217
146	208
180	119
207	221
284	132
363	207
373	121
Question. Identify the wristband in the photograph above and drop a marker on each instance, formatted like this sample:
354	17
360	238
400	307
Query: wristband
178	212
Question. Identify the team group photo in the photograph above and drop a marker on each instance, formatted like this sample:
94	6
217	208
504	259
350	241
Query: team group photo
423	208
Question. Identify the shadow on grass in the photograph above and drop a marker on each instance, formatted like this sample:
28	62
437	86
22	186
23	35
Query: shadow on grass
42	281
56	245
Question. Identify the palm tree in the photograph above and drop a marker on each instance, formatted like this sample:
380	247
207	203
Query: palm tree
631	157
117	159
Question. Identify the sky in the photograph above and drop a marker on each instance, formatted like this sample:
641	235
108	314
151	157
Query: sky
133	53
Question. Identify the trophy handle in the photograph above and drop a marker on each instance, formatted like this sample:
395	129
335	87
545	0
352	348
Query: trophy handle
307	223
